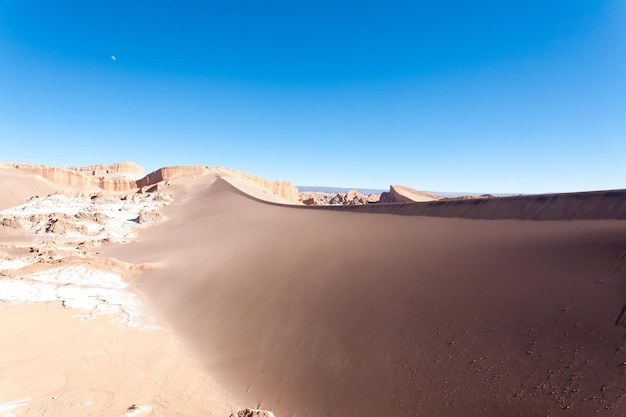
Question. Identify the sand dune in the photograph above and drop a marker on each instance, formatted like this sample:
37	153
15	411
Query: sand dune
610	204
312	312
127	177
77	340
18	186
496	307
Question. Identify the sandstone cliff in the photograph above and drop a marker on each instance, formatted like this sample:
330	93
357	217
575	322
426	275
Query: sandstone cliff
128	176
75	177
128	170
284	189
401	194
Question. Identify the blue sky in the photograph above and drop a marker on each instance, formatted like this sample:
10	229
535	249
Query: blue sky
486	96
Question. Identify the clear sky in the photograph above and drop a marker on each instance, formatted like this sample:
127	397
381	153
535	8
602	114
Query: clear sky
486	96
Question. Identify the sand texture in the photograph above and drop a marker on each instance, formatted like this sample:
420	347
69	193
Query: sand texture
311	312
494	307
77	338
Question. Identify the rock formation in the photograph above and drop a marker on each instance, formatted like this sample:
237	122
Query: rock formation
396	194
250	412
128	170
84	178
128	177
351	198
401	194
284	189
149	217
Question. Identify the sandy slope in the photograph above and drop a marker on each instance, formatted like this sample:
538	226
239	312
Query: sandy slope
312	312
52	364
594	205
17	186
76	341
318	312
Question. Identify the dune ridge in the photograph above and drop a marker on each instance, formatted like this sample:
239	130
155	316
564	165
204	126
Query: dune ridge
592	205
444	308
128	176
283	189
315	311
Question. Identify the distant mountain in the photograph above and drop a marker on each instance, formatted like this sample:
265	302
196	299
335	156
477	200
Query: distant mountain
454	194
367	191
315	188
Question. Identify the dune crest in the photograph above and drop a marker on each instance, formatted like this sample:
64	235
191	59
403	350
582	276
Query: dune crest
128	176
79	340
440	308
284	189
302	311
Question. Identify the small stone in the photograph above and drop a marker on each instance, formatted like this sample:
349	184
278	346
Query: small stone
253	412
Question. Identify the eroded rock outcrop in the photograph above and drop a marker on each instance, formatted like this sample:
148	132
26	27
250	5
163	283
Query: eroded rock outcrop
82	177
251	412
128	176
351	198
401	194
149	217
284	189
125	169
11	222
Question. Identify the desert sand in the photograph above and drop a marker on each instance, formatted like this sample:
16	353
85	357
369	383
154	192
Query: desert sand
498	307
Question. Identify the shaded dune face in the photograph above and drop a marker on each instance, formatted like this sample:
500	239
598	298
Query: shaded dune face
331	313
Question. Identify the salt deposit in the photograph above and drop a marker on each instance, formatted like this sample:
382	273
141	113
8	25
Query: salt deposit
6	408
93	219
6	264
61	227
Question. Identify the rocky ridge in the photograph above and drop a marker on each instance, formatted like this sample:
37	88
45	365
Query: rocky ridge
402	194
127	177
284	189
54	253
396	194
351	198
125	169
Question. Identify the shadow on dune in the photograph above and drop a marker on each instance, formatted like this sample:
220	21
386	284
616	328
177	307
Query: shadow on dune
593	205
323	312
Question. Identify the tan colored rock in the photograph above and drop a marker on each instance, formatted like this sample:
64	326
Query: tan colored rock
356	198
401	194
169	173
373	198
284	189
128	176
352	197
11	222
61	226
149	217
75	177
129	170
250	412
